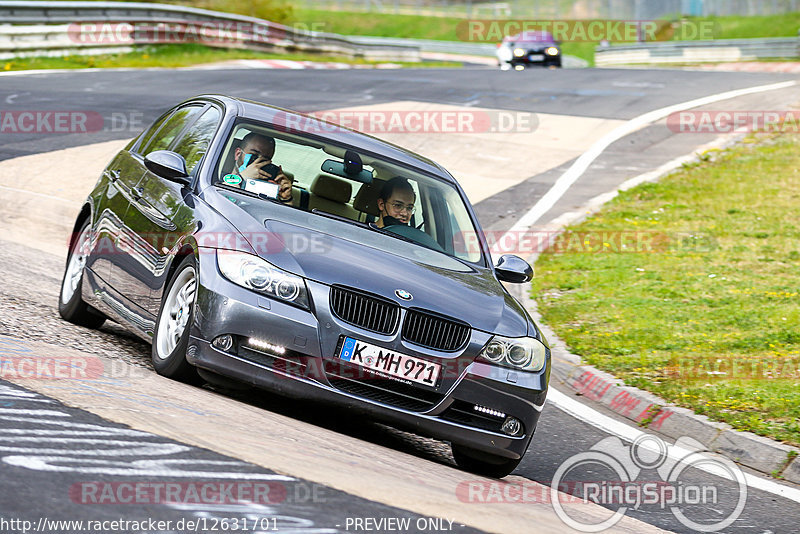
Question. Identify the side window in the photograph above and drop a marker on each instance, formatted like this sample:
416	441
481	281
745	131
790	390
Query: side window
170	129
148	134
193	145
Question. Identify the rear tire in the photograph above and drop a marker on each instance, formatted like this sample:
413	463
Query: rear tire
482	463
70	302
171	335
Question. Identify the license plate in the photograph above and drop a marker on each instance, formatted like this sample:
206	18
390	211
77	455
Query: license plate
536	57
385	362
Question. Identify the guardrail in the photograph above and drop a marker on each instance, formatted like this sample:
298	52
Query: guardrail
698	51
65	28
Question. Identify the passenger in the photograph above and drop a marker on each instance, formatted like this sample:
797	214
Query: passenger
396	202
252	161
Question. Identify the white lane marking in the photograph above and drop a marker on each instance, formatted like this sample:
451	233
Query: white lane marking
12	411
43	195
622	430
565	181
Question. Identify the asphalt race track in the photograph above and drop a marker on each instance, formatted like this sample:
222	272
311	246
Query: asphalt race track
325	470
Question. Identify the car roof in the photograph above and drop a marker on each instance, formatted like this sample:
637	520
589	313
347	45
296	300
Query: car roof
258	111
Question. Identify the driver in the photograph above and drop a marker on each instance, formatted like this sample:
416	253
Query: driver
396	202
252	158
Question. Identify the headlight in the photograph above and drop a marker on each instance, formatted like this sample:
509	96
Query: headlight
551	51
525	353
259	275
519	52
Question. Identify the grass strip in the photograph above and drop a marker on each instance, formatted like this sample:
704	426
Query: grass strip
183	55
689	287
445	28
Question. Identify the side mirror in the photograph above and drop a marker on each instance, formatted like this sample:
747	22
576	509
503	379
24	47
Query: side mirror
510	268
168	165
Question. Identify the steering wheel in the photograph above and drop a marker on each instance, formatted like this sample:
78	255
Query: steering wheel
415	235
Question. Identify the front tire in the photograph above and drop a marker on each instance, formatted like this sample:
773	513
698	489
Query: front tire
482	463
70	302
171	335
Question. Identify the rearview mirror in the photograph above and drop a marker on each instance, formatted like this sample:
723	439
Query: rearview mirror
510	268
168	165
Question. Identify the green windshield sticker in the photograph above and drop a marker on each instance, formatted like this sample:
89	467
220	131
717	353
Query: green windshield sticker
233	179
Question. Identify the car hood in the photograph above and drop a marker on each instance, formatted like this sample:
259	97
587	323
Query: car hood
470	294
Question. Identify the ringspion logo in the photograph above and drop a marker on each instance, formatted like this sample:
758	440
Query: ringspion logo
649	473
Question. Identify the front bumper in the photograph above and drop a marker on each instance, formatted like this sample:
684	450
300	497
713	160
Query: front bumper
535	57
300	361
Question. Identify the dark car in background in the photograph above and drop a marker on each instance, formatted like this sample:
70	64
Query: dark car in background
308	297
529	48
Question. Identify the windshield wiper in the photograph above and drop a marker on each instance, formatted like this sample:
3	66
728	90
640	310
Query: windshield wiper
398	236
329	215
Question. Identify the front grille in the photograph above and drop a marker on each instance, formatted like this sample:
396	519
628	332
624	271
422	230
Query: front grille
435	332
383	390
365	311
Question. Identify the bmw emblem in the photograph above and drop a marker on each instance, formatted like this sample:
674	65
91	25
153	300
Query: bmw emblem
403	294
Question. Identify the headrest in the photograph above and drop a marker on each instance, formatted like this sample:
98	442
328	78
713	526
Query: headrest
332	188
367	198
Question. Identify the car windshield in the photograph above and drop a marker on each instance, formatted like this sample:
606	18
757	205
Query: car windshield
532	37
333	182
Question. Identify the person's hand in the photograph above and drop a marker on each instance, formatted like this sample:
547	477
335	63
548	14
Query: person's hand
254	172
285	184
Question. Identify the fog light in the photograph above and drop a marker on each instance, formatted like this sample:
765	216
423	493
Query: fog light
519	67
512	426
263	346
223	343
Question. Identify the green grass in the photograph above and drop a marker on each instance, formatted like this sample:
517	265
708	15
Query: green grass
405	26
706	313
380	25
179	55
761	26
445	28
